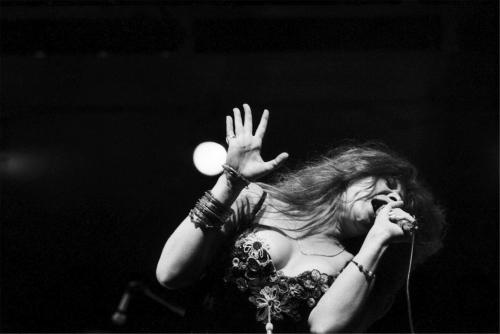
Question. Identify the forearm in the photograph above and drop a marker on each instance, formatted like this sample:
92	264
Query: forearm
346	299
189	249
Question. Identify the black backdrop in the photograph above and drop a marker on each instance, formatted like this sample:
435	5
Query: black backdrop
103	103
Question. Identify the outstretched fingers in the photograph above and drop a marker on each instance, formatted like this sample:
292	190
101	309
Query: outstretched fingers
229	127
248	127
276	162
238	124
261	129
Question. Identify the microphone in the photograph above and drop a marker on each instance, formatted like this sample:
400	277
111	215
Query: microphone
408	226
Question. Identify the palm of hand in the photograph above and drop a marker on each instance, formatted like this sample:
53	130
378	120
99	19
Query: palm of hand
244	147
248	158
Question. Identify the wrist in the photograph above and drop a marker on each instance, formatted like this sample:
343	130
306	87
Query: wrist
234	176
226	191
371	251
377	237
230	185
374	244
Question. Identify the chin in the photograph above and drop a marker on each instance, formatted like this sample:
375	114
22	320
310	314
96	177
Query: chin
362	228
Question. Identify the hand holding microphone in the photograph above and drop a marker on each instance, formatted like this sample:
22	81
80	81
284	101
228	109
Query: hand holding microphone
403	219
387	215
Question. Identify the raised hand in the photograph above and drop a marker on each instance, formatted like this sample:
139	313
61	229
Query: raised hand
244	146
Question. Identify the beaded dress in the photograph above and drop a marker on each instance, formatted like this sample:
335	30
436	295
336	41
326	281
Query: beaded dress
246	290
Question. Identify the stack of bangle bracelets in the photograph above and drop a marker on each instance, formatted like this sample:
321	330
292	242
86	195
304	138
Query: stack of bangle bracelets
234	176
209	213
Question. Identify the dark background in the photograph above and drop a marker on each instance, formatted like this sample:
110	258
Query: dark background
103	103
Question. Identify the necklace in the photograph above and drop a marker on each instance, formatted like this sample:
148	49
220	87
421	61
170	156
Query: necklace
317	254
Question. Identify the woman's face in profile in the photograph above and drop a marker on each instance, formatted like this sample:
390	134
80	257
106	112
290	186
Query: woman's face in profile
363	197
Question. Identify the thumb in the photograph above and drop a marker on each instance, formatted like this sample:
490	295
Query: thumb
276	162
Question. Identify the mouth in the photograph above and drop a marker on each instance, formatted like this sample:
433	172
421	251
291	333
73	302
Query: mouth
377	204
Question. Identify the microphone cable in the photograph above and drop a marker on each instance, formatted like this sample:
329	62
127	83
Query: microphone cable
411	228
408	302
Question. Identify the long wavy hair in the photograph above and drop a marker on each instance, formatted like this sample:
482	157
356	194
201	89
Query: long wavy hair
313	193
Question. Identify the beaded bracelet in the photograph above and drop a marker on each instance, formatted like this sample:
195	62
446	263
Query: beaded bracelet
370	275
209	213
234	175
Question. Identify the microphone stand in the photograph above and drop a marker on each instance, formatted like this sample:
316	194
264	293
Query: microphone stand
119	317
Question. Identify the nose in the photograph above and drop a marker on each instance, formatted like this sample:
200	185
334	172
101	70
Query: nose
394	197
391	197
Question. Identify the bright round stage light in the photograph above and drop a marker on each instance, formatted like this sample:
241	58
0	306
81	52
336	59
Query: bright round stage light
208	158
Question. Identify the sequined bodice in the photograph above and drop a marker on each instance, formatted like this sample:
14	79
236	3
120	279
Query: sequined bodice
272	293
